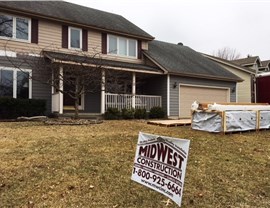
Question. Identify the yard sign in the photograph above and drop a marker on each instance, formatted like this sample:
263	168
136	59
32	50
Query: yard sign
160	164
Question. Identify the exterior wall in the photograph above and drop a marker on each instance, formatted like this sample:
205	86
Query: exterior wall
174	92
92	102
144	45
50	38
157	86
39	90
243	89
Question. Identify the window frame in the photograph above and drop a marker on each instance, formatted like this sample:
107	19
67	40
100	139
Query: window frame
69	38
15	80
14	27
118	46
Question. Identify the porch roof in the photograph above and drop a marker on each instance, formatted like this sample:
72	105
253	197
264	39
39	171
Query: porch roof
99	62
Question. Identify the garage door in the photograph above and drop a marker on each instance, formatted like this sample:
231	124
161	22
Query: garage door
189	94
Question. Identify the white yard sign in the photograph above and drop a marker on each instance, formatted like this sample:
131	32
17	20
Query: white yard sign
160	164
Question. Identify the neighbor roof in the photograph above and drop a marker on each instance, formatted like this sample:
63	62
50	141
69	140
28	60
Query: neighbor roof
246	61
265	63
182	60
229	63
76	59
68	12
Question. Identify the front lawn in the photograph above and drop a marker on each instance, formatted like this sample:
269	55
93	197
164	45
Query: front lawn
90	166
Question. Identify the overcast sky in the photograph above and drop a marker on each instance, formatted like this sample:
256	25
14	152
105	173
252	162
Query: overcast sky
205	26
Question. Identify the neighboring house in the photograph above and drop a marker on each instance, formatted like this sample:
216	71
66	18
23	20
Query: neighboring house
252	62
156	73
244	90
265	66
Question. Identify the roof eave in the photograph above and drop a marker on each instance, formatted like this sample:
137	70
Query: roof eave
59	61
206	77
229	64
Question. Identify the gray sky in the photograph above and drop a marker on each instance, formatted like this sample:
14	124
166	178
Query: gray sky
205	26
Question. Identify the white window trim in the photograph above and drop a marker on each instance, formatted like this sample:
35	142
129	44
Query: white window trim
14	20
69	38
15	80
118	42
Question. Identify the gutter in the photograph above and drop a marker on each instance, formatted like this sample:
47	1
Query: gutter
198	76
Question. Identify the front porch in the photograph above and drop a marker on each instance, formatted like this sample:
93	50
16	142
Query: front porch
98	102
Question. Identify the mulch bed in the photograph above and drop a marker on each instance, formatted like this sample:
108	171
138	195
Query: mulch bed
69	121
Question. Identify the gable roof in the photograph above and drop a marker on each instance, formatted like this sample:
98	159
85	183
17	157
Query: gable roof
230	63
251	60
182	60
72	13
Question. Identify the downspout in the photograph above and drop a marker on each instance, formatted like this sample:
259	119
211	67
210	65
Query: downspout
168	95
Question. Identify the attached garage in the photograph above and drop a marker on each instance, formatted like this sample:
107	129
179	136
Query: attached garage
190	93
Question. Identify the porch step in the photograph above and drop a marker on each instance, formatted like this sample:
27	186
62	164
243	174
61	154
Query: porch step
82	115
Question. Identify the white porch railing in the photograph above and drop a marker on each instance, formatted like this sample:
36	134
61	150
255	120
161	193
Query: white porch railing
121	101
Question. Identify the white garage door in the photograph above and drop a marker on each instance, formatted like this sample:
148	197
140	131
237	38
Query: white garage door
189	94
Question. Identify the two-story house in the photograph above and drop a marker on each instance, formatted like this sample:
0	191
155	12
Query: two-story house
154	73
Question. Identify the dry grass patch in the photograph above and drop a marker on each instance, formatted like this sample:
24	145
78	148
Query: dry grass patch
90	166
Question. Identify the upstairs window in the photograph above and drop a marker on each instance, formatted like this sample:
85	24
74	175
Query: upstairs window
75	38
122	46
15	27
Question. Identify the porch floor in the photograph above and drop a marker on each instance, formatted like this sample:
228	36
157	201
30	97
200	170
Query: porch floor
170	123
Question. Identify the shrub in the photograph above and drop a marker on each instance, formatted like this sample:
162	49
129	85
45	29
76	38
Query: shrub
112	114
11	108
128	113
156	112
140	113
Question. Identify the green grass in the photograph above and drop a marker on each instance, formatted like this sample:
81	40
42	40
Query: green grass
90	166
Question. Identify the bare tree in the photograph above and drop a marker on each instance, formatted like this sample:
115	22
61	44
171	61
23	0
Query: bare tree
74	74
227	53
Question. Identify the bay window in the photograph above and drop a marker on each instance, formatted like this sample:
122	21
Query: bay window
15	83
122	46
15	27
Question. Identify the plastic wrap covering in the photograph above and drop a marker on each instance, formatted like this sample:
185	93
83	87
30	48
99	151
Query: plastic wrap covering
264	119
211	122
218	107
240	121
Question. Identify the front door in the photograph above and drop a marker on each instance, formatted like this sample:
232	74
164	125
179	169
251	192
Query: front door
69	102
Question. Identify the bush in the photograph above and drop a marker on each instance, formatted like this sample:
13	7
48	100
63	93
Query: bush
112	114
11	108
140	113
128	113
156	112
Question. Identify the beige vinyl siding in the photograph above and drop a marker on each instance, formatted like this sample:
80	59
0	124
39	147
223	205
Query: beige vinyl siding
144	45
50	38
243	89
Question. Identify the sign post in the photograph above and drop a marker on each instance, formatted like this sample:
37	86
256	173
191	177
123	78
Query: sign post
160	164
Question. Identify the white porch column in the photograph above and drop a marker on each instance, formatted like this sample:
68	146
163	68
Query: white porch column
133	90
61	87
103	91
